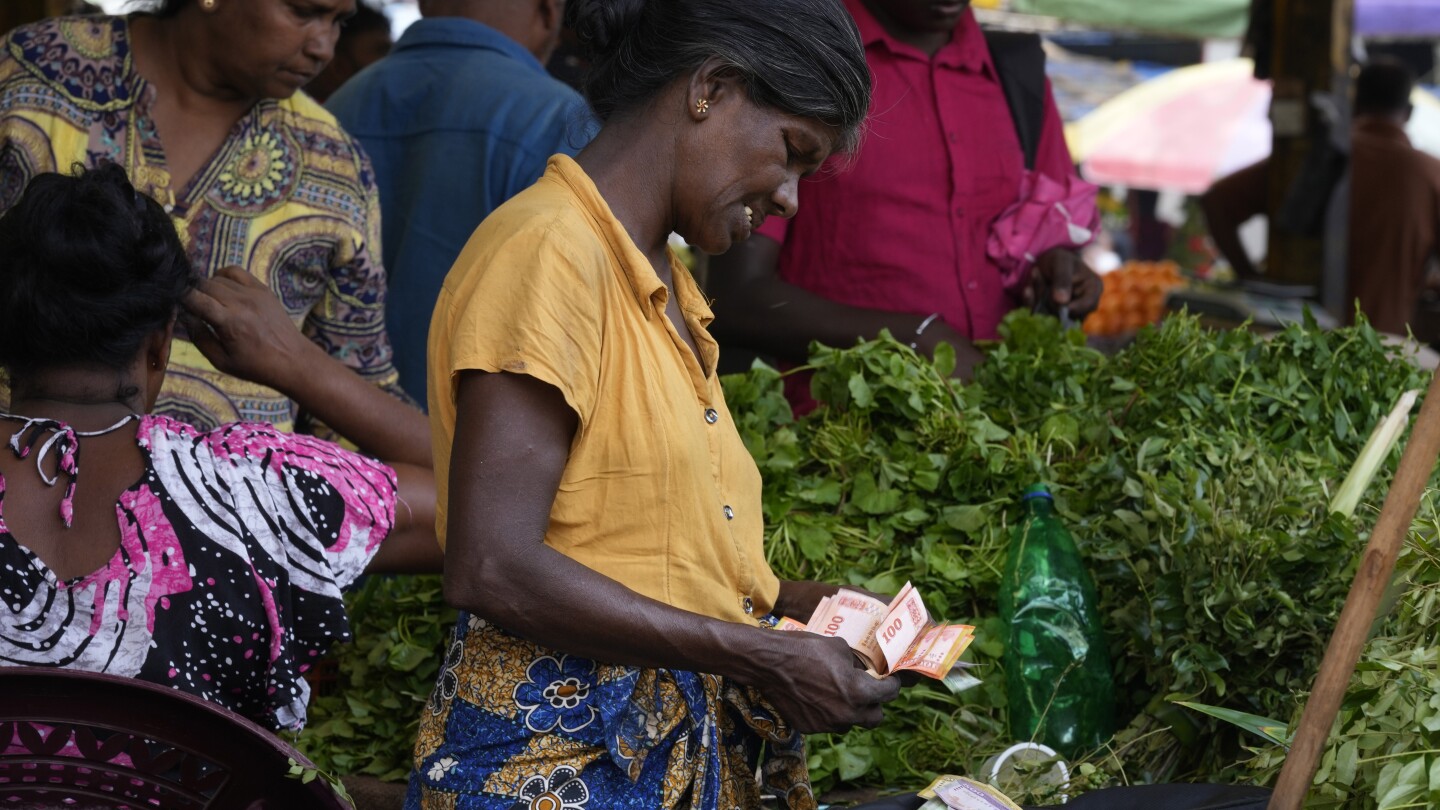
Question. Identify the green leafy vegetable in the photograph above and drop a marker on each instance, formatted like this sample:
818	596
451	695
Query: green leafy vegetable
1194	468
366	723
1271	730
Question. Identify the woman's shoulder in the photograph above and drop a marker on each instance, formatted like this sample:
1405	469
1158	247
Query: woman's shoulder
330	162
539	242
317	130
302	112
233	444
254	452
85	59
236	444
549	216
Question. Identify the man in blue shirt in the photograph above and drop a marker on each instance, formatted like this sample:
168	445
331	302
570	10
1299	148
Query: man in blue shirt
459	118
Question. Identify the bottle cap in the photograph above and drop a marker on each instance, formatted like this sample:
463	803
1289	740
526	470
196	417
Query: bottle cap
1038	491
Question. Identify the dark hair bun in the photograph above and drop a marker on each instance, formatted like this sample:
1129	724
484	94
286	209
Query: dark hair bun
602	24
89	268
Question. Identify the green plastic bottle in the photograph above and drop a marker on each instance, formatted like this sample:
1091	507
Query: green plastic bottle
1057	669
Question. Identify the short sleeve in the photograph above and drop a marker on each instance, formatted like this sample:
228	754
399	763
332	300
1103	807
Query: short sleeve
527	303
331	508
285	522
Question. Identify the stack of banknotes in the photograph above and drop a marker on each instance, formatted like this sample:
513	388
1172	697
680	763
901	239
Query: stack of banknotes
889	637
958	793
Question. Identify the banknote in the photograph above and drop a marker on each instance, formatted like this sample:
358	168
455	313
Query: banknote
854	617
934	653
902	625
967	794
890	637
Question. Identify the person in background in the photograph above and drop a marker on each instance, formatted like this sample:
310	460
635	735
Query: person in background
602	518
895	237
364	40
1394	206
209	561
198	102
459	119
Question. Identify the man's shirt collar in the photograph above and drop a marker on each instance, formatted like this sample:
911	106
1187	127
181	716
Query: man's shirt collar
466	33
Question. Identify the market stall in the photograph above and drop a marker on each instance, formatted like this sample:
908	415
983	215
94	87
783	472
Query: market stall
1195	469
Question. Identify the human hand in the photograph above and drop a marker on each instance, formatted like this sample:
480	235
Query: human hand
242	328
1062	279
818	685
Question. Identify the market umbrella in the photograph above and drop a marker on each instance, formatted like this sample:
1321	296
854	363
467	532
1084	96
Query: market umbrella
1178	131
1188	127
1398	18
1194	18
1409	19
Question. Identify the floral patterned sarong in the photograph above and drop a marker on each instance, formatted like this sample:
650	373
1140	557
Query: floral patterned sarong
513	726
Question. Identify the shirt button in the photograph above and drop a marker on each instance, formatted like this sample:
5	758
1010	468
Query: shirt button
711	416
748	604
729	513
954	137
971	285
959	212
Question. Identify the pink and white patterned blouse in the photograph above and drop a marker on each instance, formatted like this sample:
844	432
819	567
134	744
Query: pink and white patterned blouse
235	544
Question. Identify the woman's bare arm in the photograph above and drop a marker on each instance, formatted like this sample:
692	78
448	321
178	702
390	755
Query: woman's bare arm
512	442
240	326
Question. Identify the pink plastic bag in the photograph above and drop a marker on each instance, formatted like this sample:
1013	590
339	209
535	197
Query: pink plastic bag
1049	214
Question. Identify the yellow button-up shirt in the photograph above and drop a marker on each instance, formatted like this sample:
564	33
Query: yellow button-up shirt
659	492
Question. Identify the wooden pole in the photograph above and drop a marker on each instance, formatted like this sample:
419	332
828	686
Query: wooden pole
1310	50
1371	580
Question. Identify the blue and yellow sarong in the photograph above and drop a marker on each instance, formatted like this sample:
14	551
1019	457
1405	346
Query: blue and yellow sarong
513	726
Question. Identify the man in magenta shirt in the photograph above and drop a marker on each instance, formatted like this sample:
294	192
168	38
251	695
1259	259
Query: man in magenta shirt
896	234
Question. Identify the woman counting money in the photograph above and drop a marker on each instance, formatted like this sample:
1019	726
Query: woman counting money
603	517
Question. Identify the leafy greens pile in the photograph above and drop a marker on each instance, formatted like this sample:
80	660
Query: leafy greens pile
1384	749
365	722
1193	467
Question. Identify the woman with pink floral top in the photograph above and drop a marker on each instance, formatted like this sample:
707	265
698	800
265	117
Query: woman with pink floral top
136	545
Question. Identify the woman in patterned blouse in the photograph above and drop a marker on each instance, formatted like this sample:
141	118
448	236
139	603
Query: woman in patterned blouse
210	561
199	103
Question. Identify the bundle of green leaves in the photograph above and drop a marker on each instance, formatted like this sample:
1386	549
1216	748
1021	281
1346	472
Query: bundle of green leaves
1193	468
366	720
1384	749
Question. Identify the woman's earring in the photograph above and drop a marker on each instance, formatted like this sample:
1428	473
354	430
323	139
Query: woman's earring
702	106
208	5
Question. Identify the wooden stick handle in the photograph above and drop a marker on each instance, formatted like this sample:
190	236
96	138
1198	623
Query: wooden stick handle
1371	580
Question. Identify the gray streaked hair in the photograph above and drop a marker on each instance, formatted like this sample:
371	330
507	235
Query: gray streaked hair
803	57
